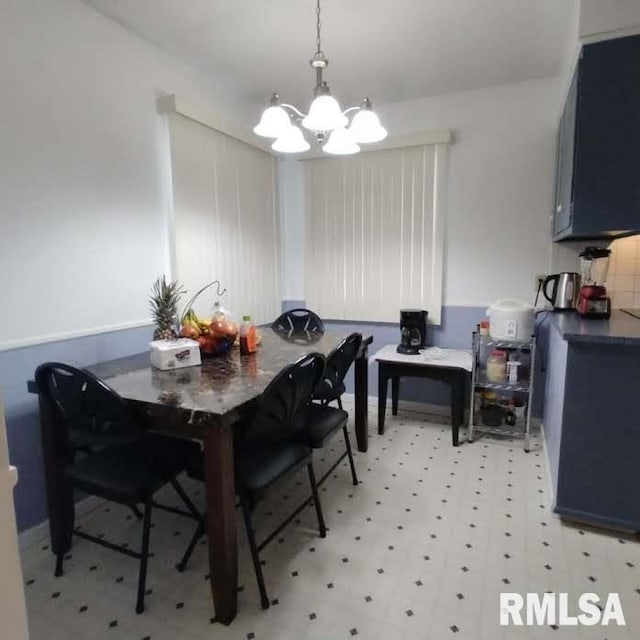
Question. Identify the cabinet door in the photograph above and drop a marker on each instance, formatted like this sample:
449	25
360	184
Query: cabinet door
607	169
564	172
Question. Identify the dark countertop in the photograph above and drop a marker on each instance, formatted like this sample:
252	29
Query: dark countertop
620	328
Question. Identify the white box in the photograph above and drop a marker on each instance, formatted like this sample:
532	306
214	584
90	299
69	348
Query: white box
174	354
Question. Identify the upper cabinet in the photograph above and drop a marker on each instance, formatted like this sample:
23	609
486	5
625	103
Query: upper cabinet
598	162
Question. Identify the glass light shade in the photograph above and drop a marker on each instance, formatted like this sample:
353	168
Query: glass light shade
291	141
324	114
274	121
365	127
341	143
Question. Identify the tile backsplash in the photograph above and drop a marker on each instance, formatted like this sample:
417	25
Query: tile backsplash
623	283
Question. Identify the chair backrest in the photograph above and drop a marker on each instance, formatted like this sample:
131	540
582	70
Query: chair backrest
298	321
280	414
340	359
88	410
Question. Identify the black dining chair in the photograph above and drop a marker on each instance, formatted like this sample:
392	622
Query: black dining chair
270	447
323	422
95	445
298	321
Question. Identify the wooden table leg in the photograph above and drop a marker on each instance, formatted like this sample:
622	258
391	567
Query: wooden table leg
395	393
361	375
221	521
383	379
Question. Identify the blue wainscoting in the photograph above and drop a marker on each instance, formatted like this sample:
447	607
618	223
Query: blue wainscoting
21	408
454	332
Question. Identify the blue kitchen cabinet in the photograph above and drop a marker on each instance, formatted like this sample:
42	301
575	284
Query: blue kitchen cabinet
598	164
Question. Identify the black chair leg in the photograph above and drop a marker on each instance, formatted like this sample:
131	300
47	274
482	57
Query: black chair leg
182	565
136	512
347	442
246	512
58	570
185	498
339	399
142	578
316	500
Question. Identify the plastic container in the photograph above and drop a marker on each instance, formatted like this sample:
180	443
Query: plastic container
512	371
247	336
497	366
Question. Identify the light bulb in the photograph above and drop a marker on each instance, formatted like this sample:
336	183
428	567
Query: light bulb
365	127
274	121
324	114
291	141
341	143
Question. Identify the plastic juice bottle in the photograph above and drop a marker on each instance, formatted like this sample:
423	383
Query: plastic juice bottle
247	336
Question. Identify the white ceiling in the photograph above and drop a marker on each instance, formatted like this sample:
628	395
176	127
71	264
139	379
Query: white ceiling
387	49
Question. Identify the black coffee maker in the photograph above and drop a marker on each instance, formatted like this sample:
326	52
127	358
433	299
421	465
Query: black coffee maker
413	331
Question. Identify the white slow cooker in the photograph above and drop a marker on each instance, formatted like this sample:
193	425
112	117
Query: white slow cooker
511	320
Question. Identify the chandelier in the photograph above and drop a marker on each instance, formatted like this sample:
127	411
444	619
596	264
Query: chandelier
328	124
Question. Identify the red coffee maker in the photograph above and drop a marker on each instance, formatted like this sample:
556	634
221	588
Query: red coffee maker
594	266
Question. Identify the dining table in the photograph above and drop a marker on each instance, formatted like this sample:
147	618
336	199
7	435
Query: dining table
204	403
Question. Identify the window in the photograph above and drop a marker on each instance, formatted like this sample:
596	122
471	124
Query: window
374	233
225	222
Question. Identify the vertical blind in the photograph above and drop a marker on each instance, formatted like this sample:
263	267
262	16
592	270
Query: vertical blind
224	219
374	233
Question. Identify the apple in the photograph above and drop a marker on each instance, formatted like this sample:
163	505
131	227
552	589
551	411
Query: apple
218	328
230	329
189	331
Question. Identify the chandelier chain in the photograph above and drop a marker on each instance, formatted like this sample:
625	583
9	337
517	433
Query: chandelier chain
318	24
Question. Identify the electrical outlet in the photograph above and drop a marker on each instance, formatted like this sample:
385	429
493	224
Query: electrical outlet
539	279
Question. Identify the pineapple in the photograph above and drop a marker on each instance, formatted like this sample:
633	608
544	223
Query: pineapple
164	302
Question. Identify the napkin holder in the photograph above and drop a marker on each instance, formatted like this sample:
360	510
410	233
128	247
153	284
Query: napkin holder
174	354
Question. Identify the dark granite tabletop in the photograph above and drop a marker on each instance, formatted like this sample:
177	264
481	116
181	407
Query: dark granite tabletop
620	328
218	387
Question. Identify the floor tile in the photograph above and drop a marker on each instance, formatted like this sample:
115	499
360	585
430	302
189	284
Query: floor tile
421	548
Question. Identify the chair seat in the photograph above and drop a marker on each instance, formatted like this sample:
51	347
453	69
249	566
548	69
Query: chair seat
259	468
321	423
325	392
130	473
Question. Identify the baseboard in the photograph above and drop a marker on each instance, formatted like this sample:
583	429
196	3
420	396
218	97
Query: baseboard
40	532
405	405
547	468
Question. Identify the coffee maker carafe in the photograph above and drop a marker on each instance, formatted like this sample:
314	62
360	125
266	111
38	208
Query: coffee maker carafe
413	331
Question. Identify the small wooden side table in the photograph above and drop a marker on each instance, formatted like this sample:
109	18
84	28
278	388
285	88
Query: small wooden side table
452	366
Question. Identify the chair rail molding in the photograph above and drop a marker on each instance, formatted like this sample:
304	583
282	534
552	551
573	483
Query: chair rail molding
70	335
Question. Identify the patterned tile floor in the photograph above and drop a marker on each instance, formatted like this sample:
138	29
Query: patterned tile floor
419	550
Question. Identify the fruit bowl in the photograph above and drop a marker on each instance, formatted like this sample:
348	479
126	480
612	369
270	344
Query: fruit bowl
215	337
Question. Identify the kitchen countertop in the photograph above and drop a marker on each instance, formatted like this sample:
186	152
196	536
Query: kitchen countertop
620	328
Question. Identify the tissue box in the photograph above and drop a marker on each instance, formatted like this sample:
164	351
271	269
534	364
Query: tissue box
174	354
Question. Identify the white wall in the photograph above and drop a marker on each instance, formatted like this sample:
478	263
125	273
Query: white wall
83	168
500	189
599	17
